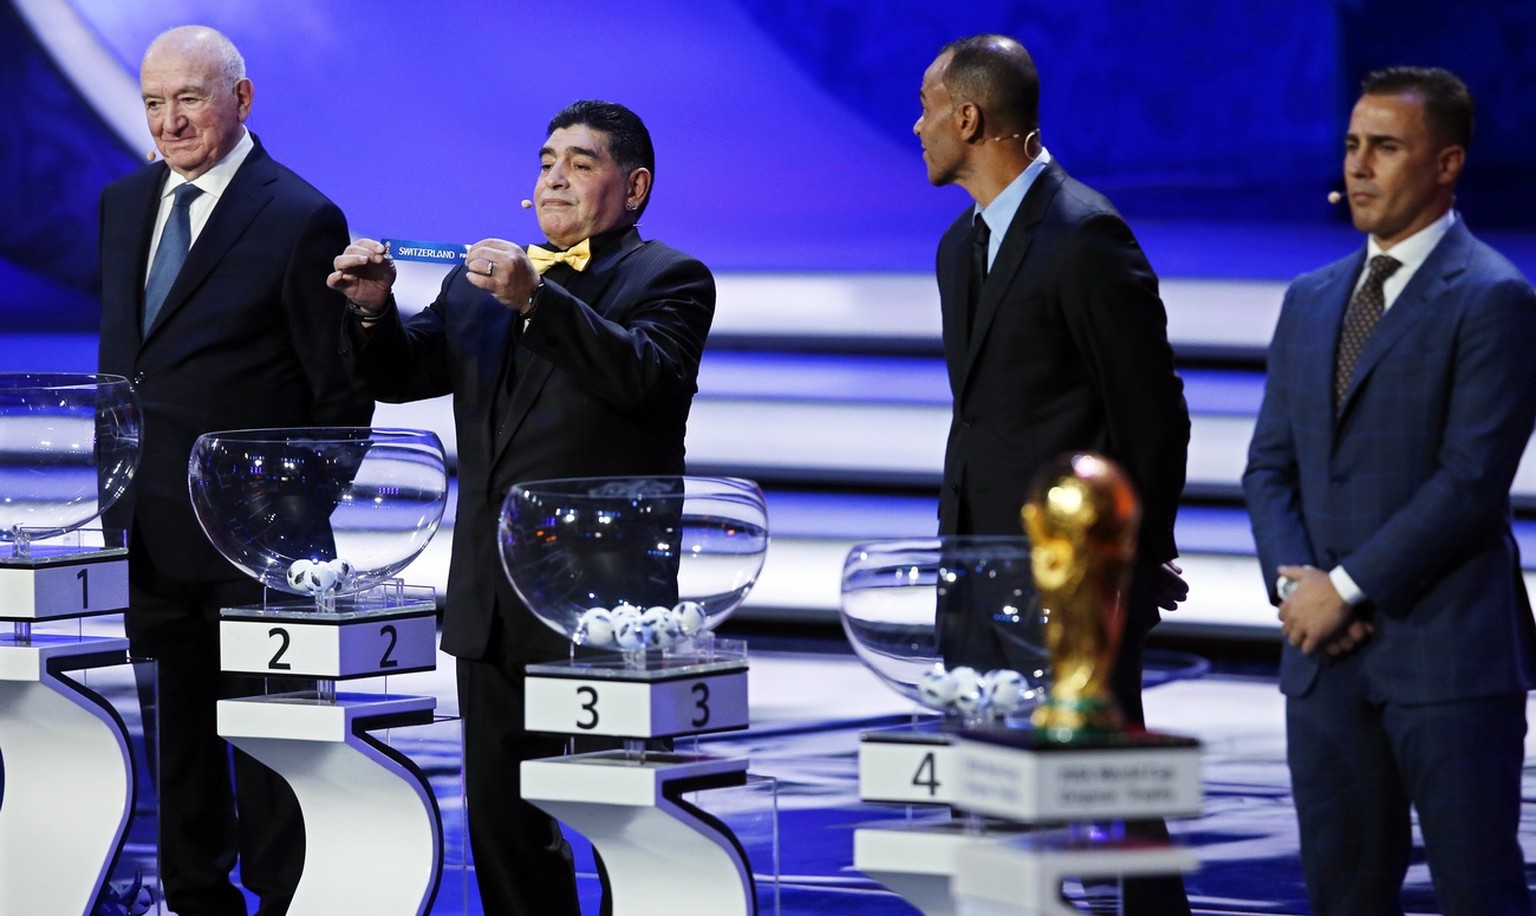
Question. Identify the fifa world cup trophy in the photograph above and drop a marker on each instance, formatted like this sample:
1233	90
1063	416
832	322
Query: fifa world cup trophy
1081	518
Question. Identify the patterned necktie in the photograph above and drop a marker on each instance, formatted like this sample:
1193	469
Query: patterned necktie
981	237
175	239
577	256
1359	321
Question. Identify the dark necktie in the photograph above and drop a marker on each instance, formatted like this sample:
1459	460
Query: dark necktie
1359	321
175	239
981	237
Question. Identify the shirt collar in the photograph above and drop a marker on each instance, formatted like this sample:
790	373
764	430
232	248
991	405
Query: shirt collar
1414	250
1000	212
214	181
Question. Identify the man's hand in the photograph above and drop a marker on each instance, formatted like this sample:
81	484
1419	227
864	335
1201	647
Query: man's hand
364	275
1315	617
1169	587
1347	639
502	269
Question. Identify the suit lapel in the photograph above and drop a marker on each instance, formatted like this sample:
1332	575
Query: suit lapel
249	192
1317	361
590	286
1011	256
1411	306
127	275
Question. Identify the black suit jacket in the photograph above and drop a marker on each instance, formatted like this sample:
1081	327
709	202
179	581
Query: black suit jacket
1069	352
246	337
600	383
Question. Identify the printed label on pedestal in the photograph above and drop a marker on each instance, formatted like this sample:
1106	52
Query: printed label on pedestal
72	590
1033	786
637	709
356	648
907	773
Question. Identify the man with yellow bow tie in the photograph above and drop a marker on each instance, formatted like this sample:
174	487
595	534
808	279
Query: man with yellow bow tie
578	359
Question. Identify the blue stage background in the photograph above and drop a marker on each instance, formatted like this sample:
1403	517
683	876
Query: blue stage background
783	127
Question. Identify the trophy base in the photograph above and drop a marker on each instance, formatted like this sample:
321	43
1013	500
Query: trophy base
1070	720
1024	776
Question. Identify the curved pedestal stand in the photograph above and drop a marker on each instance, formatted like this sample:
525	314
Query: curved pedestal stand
916	860
373	840
662	854
1023	877
68	785
1016	775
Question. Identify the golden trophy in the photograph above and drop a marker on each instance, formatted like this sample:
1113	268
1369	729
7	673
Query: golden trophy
1081	518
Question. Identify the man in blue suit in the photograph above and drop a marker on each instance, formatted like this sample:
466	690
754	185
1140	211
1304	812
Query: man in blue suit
1401	394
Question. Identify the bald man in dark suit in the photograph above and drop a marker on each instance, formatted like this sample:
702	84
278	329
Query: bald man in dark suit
236	329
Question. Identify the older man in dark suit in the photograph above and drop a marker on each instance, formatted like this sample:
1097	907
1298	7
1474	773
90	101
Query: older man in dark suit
214	303
1056	341
1400	397
582	366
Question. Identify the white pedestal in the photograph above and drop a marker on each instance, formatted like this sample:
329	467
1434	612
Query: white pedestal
918	859
68	787
373	839
1023	876
663	855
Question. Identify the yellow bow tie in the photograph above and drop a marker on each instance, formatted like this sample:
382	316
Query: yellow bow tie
577	256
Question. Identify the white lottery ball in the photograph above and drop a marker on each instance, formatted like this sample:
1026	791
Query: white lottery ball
690	616
319	579
594	627
652	630
1004	690
936	688
626	631
344	570
969	698
298	572
664	624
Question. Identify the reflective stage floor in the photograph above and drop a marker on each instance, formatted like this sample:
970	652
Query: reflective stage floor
811	700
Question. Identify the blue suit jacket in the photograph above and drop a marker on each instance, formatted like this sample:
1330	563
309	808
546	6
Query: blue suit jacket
1408	485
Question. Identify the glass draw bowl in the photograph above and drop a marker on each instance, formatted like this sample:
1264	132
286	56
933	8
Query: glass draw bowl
69	445
320	511
634	563
950	622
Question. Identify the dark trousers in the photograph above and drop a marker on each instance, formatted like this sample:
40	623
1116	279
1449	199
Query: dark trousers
216	804
523	864
1359	763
